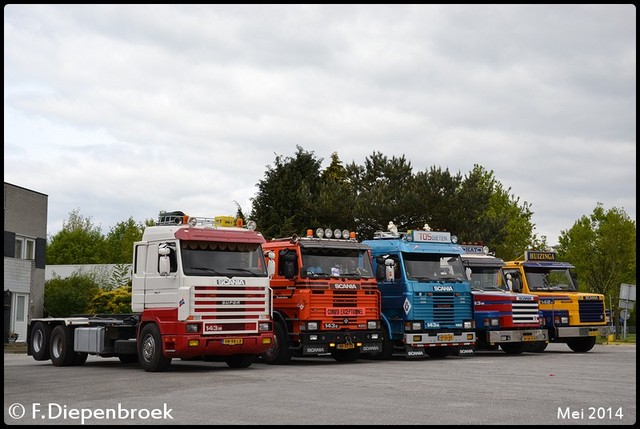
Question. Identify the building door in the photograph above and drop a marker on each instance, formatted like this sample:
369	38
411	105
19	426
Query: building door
19	303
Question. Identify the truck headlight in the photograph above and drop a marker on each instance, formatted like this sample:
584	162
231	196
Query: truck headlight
264	326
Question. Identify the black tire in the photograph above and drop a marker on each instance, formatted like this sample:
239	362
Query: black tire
150	350
61	347
512	348
39	341
581	344
279	353
437	352
240	361
128	358
536	347
350	355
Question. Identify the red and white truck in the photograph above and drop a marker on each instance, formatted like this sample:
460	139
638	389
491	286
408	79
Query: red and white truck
200	290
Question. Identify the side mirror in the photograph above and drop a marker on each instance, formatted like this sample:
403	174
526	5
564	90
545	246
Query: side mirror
164	264
271	263
389	270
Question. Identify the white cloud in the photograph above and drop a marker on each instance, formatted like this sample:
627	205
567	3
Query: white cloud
125	110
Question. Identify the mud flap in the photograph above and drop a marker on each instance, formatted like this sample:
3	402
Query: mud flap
463	351
415	352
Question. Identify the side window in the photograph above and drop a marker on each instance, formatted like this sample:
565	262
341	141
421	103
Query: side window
287	263
512	281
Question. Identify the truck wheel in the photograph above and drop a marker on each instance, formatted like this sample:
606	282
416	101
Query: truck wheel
240	361
536	347
279	353
39	341
512	348
582	344
150	350
346	355
61	347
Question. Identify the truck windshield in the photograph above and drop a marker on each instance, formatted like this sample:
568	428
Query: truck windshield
433	267
206	258
550	279
328	262
485	279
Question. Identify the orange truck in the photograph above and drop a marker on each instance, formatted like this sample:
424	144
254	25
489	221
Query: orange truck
325	297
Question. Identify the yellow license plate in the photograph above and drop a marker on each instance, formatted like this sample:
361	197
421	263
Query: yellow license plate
528	338
346	346
445	337
231	341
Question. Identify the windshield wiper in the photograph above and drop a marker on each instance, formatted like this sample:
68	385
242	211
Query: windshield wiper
450	279
244	270
207	269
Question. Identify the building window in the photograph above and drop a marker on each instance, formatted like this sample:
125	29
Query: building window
25	248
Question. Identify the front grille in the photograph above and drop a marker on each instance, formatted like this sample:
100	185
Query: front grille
525	312
353	301
591	311
231	308
446	309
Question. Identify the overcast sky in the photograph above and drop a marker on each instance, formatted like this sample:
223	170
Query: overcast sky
121	110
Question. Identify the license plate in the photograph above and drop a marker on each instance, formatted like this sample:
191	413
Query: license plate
346	346
445	337
593	333
528	338
231	341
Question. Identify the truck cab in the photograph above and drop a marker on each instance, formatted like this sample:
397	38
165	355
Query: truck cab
426	296
571	317
325	297
503	318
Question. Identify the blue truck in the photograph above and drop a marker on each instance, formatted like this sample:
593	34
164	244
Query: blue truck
427	306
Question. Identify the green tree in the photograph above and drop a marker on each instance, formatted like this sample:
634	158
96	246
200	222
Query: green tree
334	203
385	191
78	242
120	239
602	247
517	233
69	296
436	192
284	204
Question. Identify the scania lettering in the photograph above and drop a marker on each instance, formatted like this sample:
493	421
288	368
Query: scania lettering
326	299
200	290
571	317
426	297
503	318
